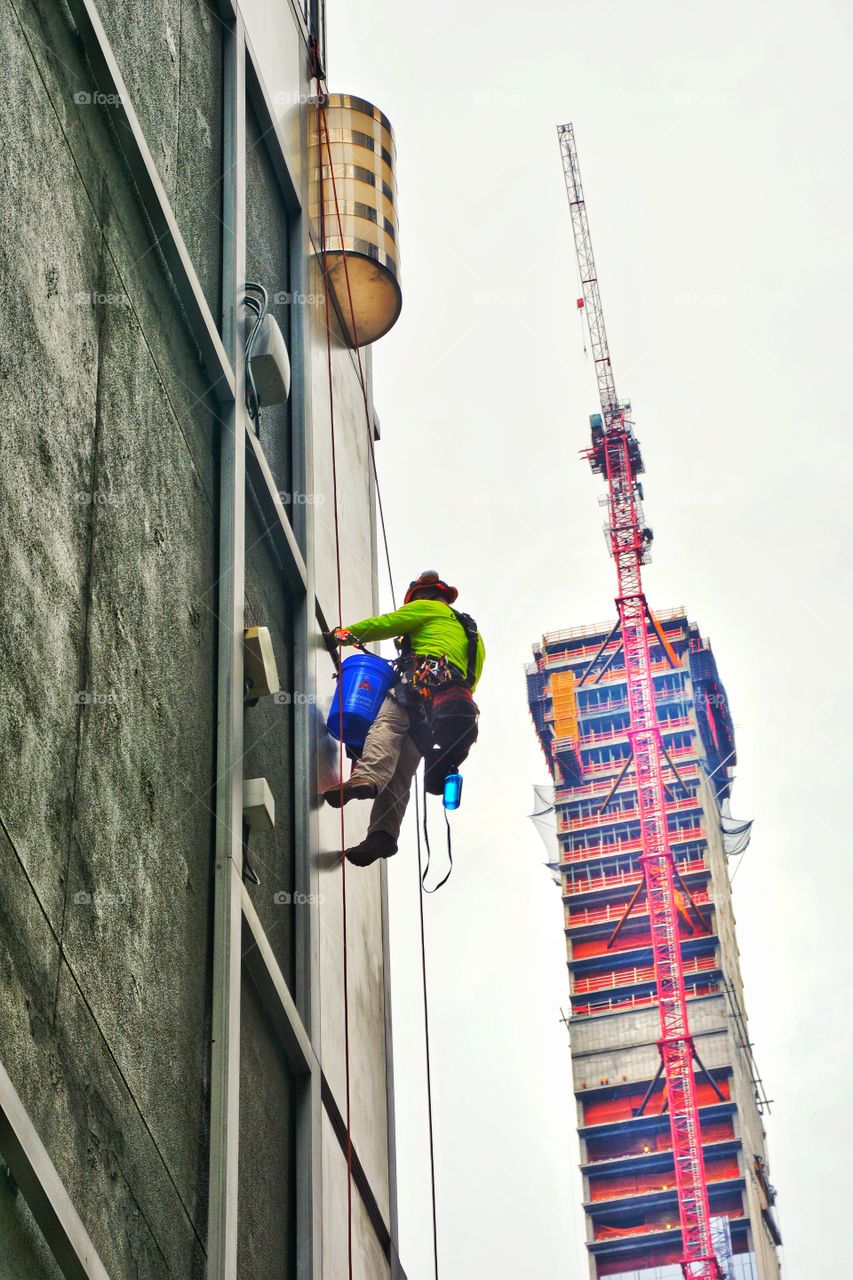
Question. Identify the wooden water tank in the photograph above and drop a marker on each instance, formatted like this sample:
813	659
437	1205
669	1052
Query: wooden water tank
356	219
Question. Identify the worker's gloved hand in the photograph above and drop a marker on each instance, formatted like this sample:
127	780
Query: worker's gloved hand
340	635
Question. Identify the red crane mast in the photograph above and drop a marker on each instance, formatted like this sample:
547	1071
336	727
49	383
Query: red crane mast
615	454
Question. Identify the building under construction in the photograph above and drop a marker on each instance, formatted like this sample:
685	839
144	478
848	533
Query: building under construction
578	698
636	730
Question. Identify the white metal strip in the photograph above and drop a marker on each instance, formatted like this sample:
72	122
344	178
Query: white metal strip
43	1189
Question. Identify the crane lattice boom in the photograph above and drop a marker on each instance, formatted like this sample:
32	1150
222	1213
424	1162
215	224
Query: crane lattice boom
615	454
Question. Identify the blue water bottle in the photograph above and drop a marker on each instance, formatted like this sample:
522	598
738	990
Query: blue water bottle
452	790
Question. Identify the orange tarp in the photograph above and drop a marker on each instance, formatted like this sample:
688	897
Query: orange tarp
564	700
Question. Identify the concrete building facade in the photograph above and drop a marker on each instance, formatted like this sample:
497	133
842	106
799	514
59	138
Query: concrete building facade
578	699
173	1080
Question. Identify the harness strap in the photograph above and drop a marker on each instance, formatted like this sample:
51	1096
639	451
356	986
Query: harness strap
469	626
429	851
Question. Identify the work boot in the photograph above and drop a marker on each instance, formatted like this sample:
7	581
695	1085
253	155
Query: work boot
376	844
353	789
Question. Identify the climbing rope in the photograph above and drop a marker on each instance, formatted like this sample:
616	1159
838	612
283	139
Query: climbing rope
429	850
361	377
324	139
421	874
347	1115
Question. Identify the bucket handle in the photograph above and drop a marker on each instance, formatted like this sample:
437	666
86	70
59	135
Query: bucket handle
334	649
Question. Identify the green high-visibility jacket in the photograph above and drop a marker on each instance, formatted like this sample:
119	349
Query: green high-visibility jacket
432	630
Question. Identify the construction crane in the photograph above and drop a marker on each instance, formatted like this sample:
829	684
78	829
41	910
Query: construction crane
615	454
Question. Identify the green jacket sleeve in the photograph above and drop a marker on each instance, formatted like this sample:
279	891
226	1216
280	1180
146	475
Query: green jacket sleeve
388	625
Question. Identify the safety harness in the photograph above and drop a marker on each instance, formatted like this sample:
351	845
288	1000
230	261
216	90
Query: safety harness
424	673
443	717
472	635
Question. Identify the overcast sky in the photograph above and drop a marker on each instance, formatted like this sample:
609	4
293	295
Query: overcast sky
714	148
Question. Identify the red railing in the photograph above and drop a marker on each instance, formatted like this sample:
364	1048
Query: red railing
616	879
683	756
640	973
628	846
611	816
599	787
623	815
551	662
673	725
616	1003
595	632
649	1228
600	1151
615	910
609	1109
612	705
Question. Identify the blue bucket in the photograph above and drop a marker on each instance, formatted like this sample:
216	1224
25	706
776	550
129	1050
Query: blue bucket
362	685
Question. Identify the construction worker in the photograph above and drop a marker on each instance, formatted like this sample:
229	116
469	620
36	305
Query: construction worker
429	711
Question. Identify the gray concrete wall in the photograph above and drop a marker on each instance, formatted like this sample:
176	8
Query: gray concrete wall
108	556
366	958
622	1047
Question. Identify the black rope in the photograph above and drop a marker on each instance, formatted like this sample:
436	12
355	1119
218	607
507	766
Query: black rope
258	305
421	873
429	851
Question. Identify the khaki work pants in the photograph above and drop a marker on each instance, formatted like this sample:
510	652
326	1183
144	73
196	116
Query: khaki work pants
389	760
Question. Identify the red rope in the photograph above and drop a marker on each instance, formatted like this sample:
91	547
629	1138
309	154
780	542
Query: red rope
361	377
340	709
363	385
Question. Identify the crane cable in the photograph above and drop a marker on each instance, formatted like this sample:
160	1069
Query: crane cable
323	120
